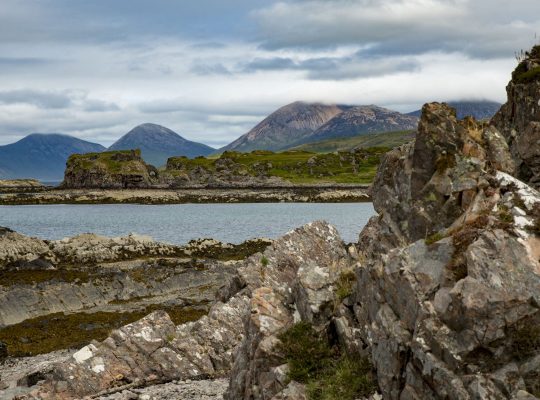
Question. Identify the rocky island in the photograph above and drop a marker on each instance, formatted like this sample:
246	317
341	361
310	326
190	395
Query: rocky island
122	176
438	299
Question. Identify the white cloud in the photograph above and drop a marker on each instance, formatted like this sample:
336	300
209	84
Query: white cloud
395	53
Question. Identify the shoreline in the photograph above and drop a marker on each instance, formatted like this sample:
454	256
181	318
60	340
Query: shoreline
155	196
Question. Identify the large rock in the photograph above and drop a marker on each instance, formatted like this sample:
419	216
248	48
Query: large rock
519	118
448	289
109	170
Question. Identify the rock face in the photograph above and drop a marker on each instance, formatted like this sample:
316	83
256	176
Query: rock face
449	283
479	110
153	350
158	143
519	119
109	170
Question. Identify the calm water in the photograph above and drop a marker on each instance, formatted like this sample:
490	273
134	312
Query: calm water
180	223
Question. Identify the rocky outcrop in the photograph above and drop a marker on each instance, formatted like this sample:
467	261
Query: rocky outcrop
519	119
153	350
107	170
449	280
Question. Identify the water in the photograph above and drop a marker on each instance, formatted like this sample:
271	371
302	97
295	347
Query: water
180	223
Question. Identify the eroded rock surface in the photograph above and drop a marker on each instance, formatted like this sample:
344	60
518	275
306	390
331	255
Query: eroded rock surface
519	119
450	275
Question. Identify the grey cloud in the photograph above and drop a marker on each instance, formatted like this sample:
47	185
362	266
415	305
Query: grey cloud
479	28
335	68
92	105
40	99
201	68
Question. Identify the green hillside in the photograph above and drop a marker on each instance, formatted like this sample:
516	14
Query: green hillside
385	139
301	167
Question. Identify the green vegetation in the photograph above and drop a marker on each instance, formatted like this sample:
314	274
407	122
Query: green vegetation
384	139
345	284
434	238
60	331
264	261
301	167
522	74
118	161
328	374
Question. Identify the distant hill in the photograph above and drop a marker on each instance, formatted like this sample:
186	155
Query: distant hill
362	120
158	143
41	156
385	139
483	109
286	126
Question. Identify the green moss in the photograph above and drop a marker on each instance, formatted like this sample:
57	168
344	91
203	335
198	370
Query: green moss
328	373
32	277
522	76
434	238
61	331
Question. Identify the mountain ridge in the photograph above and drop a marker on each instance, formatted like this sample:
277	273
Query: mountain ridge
157	143
41	156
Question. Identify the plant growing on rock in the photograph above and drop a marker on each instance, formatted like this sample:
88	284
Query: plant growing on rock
329	373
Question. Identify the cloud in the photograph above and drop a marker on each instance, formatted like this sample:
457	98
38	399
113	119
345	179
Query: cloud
211	69
479	28
40	99
335	68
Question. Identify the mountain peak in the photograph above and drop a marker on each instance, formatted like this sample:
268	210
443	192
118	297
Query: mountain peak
157	143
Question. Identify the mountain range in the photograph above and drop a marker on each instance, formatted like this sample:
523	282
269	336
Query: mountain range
301	122
158	143
43	156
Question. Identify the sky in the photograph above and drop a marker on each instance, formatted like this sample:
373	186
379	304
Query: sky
211	69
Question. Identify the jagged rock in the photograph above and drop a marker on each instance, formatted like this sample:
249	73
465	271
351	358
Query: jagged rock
449	277
153	350
91	248
20	249
519	118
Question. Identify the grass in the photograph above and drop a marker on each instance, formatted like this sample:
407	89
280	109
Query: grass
300	167
328	374
385	139
118	161
345	285
60	331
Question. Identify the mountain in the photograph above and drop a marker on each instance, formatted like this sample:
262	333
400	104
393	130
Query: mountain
384	139
362	120
483	109
41	156
158	143
285	127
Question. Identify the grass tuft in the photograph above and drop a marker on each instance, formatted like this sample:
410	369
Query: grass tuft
328	374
